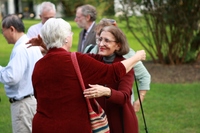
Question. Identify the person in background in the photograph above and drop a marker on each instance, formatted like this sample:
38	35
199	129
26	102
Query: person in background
85	19
47	10
16	76
141	73
61	106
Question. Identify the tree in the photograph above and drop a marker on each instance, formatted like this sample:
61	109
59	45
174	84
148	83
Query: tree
170	29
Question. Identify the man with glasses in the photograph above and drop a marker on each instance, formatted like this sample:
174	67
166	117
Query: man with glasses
16	76
85	19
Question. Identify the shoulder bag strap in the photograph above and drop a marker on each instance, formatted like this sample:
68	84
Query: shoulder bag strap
78	72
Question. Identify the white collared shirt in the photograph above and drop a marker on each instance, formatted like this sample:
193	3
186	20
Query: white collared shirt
90	27
34	30
16	76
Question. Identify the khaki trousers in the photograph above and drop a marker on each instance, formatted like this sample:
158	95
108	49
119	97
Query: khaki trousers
22	113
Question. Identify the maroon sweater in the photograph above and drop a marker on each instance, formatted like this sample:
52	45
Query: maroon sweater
121	115
61	106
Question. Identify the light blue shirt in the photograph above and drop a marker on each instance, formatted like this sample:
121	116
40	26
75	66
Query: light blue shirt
16	76
141	73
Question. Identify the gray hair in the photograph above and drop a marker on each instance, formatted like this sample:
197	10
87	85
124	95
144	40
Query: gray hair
13	20
89	10
47	6
54	32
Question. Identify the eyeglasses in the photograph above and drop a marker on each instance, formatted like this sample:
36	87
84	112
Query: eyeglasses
79	17
105	40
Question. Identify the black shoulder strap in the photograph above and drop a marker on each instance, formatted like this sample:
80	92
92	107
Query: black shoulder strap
90	48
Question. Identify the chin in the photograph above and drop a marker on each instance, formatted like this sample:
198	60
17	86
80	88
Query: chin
103	54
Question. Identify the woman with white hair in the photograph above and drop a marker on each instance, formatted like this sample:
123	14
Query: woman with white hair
61	106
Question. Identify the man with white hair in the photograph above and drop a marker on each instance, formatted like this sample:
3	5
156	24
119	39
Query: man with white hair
47	10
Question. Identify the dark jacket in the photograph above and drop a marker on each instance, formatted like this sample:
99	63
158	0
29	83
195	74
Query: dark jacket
90	39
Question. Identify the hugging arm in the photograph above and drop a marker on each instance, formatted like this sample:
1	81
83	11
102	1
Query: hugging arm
37	41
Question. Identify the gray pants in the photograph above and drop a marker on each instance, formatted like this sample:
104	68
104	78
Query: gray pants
22	113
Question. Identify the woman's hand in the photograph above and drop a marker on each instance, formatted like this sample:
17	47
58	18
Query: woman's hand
97	91
37	41
130	62
136	105
141	55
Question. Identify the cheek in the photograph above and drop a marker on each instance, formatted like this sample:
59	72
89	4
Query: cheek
5	36
84	21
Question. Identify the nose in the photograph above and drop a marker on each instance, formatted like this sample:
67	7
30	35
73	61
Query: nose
101	43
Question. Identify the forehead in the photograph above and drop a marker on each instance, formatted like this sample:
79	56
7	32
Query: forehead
79	10
107	34
48	13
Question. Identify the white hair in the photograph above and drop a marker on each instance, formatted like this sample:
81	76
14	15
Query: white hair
54	32
47	6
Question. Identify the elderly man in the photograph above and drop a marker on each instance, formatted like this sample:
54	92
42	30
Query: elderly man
85	19
47	10
16	76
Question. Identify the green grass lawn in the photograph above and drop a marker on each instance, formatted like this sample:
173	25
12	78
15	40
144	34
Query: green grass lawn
172	108
169	108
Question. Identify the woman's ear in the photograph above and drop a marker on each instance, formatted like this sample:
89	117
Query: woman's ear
67	40
118	47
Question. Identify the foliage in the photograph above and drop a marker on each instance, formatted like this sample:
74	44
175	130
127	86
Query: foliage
170	29
108	7
69	6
